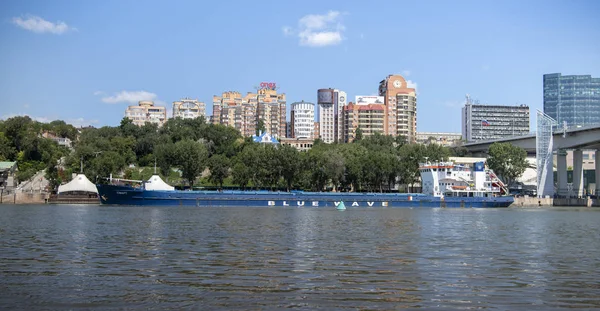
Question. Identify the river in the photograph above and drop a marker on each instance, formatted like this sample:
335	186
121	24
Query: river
108	258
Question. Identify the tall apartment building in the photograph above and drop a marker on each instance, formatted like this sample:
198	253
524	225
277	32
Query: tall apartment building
331	103
367	113
400	107
487	122
302	120
572	99
271	110
244	112
144	112
233	110
188	108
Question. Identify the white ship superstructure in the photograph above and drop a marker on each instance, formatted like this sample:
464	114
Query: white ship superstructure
442	179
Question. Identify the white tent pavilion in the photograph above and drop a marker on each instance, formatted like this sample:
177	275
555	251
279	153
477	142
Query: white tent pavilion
156	183
79	184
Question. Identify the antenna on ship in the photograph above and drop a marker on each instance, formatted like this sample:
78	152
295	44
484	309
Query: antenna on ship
81	166
426	162
155	166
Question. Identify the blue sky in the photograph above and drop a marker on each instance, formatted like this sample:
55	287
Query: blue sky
85	61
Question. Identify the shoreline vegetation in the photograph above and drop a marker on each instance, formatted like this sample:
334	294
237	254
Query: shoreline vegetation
190	153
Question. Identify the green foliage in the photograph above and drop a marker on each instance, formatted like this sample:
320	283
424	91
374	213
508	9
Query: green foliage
188	146
508	161
219	169
260	127
290	161
165	157
7	151
190	157
61	129
358	135
241	174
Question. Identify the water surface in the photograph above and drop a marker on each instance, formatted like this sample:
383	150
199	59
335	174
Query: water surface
105	258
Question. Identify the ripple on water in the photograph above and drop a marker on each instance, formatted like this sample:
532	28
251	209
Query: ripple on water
65	257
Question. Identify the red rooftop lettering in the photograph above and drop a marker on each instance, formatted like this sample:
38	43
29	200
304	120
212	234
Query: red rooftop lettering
267	85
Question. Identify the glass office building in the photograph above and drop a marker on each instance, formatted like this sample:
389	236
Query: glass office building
572	99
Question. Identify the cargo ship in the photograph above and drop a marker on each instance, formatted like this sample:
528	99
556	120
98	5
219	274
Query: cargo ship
444	184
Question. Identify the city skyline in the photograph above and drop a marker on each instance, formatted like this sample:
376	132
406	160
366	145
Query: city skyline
86	62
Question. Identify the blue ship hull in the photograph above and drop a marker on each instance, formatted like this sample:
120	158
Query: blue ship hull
125	195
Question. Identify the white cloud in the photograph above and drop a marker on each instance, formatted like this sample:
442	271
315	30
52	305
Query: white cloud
26	106
40	25
129	97
98	93
406	73
79	122
411	84
485	67
317	30
318	39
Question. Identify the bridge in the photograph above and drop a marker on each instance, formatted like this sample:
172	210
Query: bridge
576	139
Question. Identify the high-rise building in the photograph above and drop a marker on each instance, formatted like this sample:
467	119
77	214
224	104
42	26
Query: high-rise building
265	108
572	99
342	98
366	114
233	110
145	111
487	122
303	120
331	103
400	107
188	108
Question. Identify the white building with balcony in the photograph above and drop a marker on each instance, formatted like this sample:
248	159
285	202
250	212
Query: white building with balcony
145	111
188	108
303	120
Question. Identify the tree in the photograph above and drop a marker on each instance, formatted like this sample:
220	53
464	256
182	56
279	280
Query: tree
241	175
61	129
191	158
355	156
18	130
507	161
289	158
358	135
260	127
219	169
7	151
127	128
165	157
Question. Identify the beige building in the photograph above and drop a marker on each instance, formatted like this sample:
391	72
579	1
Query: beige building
401	107
188	108
302	144
144	112
244	112
367	113
444	139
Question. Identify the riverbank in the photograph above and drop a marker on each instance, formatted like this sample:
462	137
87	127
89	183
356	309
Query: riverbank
24	198
546	202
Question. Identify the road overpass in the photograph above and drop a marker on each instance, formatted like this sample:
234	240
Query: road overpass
576	139
584	138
